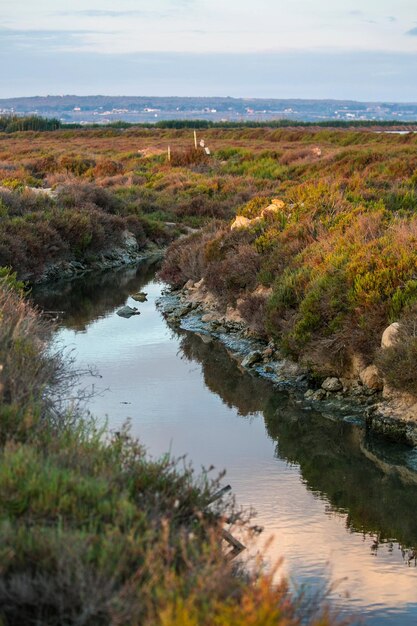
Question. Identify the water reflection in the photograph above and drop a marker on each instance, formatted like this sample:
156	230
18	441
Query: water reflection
340	503
80	302
338	461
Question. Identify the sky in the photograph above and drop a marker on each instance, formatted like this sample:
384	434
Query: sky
350	49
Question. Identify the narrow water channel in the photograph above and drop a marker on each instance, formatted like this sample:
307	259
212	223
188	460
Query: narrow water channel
340	505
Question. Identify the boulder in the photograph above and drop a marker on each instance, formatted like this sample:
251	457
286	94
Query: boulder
318	395
240	222
139	297
390	335
371	378
251	359
275	207
332	384
127	311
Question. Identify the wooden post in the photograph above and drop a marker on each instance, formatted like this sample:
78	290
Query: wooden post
169	154
195	140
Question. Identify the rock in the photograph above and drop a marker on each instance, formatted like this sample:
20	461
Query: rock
332	384
319	395
199	284
205	338
275	207
268	353
232	315
183	309
189	284
264	292
251	359
127	311
139	297
240	222
278	203
390	335
370	378
209	317
309	394
129	241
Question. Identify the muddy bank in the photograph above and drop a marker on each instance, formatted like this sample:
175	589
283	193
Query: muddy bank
351	400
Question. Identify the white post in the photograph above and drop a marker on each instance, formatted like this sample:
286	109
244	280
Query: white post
169	153
195	140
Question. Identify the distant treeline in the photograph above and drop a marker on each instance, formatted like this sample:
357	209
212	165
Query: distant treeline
274	124
15	123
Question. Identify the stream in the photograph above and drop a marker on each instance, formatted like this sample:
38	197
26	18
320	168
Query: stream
339	504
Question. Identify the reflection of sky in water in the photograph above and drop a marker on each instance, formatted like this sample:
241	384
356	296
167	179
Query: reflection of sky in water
171	408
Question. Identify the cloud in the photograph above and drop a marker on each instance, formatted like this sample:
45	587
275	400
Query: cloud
412	32
43	40
391	18
110	13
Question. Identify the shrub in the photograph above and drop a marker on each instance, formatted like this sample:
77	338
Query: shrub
398	362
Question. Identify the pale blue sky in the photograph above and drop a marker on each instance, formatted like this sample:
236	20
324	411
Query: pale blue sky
258	48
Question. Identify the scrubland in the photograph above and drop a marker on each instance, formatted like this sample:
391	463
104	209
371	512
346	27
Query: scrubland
92	530
338	262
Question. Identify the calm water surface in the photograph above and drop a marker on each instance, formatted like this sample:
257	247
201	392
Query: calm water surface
340	505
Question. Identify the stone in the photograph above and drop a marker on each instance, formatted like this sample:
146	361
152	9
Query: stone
332	384
319	395
268	352
127	311
278	203
205	338
240	222
183	309
251	359
209	317
139	297
232	315
371	378
189	284
390	335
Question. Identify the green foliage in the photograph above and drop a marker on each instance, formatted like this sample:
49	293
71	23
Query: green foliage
14	123
254	207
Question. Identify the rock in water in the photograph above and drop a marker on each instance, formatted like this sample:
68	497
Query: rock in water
127	311
139	297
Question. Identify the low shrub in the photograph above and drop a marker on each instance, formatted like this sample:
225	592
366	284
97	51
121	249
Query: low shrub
398	362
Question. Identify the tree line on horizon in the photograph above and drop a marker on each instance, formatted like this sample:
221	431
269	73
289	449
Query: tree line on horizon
11	123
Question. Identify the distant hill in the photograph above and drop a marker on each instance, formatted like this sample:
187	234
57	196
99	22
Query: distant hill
105	109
